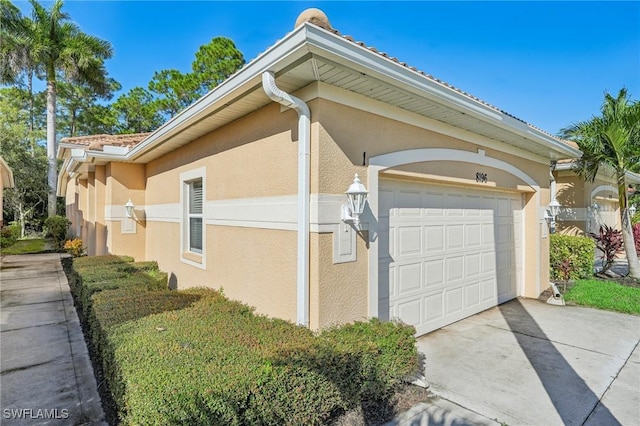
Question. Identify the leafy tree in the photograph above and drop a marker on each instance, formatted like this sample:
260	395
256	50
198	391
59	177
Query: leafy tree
215	62
55	45
612	139
175	91
18	57
137	111
27	201
80	112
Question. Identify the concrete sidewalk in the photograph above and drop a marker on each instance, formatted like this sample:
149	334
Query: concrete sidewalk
529	363
45	371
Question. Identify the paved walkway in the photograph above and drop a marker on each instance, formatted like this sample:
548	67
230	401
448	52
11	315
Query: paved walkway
529	363
45	371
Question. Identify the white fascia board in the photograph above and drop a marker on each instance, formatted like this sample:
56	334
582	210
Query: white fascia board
337	49
606	172
564	166
285	52
118	150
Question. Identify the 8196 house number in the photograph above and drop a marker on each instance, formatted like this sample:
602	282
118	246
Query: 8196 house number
481	177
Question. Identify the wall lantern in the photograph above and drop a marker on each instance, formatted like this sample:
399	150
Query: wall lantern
554	208
595	208
129	208
632	210
356	199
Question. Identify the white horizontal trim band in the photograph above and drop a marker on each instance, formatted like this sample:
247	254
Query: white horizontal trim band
265	213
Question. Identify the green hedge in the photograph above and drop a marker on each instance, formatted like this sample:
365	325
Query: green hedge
9	235
579	250
196	357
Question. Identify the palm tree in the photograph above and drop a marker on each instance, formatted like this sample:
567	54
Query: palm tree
612	139
58	48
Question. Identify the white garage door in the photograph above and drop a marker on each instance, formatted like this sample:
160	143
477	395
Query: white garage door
446	253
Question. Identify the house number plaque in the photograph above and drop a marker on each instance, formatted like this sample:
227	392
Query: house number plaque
481	177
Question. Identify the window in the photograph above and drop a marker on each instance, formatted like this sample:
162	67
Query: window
193	228
195	216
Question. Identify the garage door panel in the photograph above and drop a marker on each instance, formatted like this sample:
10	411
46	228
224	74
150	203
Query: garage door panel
472	295
433	273
454	300
473	235
472	264
455	236
410	311
451	253
433	238
409	278
409	240
488	290
433	307
455	270
489	262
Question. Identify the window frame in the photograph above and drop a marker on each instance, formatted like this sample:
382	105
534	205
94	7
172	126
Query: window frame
187	254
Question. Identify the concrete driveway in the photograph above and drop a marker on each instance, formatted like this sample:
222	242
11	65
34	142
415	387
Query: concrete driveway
529	363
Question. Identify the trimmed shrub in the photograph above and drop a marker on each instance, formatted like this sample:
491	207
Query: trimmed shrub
57	227
609	241
636	237
9	235
573	256
74	247
196	357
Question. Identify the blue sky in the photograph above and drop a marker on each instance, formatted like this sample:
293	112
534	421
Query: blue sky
548	63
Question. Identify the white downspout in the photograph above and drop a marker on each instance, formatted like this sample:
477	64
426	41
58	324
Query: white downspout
304	147
552	190
552	187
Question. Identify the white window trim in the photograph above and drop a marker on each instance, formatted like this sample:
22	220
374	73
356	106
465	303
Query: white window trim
199	260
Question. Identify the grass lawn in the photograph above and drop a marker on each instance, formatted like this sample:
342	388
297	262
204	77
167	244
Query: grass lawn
606	295
29	246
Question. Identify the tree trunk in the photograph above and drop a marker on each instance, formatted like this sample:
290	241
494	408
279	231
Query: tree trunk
31	114
52	173
627	232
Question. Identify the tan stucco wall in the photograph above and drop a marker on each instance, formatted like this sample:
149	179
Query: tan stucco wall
574	193
255	266
255	156
125	181
242	160
339	292
100	184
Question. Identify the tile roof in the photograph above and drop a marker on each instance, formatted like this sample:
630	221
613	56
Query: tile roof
96	142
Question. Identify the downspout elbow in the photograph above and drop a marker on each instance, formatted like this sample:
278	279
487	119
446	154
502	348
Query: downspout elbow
283	98
304	148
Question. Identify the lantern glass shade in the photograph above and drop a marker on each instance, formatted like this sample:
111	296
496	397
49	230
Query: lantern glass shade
356	196
129	208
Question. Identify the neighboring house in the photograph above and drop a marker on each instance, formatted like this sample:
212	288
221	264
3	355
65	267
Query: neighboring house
244	190
6	181
588	205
